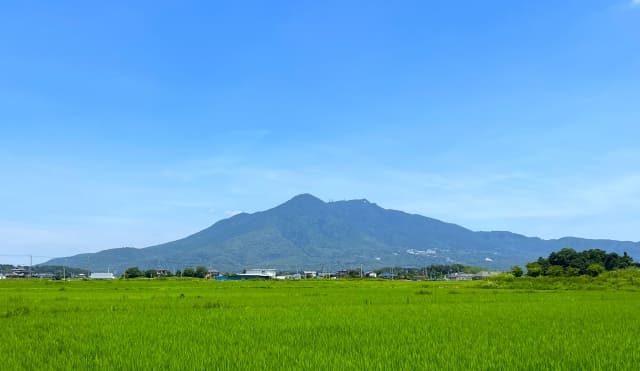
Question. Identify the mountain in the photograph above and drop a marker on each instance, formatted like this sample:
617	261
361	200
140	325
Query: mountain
308	233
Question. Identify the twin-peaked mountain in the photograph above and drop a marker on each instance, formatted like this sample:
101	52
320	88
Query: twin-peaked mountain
307	233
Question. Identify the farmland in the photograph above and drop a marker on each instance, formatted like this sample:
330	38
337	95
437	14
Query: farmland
344	324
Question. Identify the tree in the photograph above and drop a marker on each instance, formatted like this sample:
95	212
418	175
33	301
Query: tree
594	256
517	271
566	257
595	269
626	261
572	271
150	273
555	271
133	272
534	269
200	272
188	272
571	263
544	264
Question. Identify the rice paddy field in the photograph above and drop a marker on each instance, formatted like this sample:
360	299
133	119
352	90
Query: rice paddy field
314	324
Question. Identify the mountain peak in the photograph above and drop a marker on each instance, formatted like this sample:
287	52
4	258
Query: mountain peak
305	198
307	232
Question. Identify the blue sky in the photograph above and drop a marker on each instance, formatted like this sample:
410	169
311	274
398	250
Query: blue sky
135	123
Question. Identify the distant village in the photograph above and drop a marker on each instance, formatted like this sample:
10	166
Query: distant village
454	272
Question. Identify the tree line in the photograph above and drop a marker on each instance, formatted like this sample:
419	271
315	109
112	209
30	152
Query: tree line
197	272
434	271
569	262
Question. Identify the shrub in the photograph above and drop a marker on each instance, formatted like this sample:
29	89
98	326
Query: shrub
595	270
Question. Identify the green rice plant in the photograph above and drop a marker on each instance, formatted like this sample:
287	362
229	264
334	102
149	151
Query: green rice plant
350	324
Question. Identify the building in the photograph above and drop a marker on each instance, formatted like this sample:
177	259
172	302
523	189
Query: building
161	272
310	274
387	275
482	275
2	276
342	273
469	276
102	276
250	274
370	274
259	273
19	272
460	276
212	273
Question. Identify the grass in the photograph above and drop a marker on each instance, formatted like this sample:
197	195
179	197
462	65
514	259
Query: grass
378	325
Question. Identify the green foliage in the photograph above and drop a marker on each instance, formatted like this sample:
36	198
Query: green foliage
200	272
569	262
595	269
555	271
151	273
188	272
534	269
133	272
433	271
517	271
322	324
572	271
625	279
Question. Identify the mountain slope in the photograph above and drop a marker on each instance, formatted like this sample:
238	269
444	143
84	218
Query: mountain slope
306	232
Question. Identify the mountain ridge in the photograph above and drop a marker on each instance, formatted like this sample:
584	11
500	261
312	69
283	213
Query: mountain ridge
306	232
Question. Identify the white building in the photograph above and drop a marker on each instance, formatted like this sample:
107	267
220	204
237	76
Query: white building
259	272
102	276
2	276
460	276
310	274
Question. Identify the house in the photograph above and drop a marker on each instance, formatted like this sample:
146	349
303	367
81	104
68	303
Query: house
370	274
161	272
460	276
102	276
259	273
19	272
212	273
483	274
342	273
310	274
250	274
2	276
387	275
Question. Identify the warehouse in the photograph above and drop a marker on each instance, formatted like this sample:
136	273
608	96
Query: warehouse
102	276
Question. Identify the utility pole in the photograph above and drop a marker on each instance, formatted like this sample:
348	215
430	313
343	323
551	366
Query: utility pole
30	265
